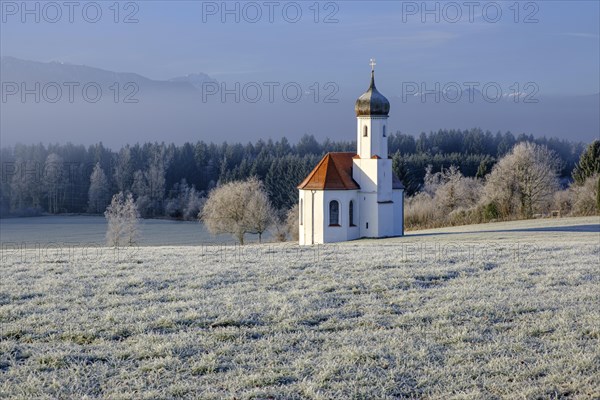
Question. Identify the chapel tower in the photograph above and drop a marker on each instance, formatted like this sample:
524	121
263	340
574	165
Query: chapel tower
354	195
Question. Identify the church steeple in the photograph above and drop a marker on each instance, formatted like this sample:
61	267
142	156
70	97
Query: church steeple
372	102
354	195
372	109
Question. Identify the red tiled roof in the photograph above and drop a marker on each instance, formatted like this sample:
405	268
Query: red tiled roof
334	171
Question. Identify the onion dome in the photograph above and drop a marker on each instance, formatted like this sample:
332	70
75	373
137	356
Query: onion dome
372	102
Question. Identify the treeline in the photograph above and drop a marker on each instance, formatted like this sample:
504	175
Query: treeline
522	184
474	152
170	180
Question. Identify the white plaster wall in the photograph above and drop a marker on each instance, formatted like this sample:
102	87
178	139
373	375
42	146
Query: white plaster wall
363	143
374	176
306	228
375	143
368	214
384	179
344	231
398	212
376	204
386	219
364	172
323	233
302	223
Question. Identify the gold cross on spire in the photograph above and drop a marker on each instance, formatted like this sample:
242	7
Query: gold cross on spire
372	64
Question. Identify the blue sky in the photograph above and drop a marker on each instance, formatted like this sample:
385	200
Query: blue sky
560	52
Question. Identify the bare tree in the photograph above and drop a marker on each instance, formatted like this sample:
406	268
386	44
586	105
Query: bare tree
132	217
524	181
123	220
238	208
98	193
259	212
452	190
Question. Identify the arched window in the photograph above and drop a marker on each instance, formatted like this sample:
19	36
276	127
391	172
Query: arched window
334	213
301	211
351	213
384	133
365	131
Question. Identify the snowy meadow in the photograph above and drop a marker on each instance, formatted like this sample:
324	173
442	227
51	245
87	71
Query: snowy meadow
505	310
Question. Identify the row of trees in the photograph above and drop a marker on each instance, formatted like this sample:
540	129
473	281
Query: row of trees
237	208
170	180
522	184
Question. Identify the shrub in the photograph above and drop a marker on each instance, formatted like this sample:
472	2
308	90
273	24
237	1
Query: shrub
585	197
490	211
421	212
291	221
279	226
563	202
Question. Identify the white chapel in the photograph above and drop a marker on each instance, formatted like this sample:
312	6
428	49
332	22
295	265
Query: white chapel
355	195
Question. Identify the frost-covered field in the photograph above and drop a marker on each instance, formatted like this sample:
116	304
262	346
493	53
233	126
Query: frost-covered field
505	310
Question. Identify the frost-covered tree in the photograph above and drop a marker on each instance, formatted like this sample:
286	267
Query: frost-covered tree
132	218
155	177
292	221
123	170
98	193
259	212
149	187
123	220
141	191
238	208
26	187
586	196
185	202
139	186
458	192
451	189
54	182
448	198
524	181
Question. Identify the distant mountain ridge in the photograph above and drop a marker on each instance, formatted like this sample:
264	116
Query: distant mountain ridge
17	70
176	110
196	80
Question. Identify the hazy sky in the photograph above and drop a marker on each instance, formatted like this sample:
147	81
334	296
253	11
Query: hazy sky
560	52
